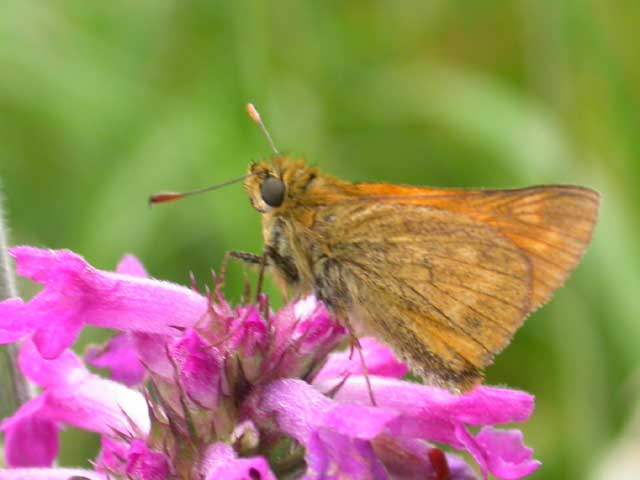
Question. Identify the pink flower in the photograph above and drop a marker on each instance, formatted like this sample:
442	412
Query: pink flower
221	461
75	294
206	390
74	396
120	357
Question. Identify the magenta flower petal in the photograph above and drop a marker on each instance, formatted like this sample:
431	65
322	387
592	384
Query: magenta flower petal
198	368
54	268
49	474
132	460
434	410
31	426
120	356
54	323
434	414
14	324
30	440
250	332
112	456
500	452
379	360
90	403
153	354
130	265
408	459
303	334
50	373
146	464
459	468
296	406
314	327
76	293
333	456
59	324
100	406
75	396
307	324
358	421
220	462
333	446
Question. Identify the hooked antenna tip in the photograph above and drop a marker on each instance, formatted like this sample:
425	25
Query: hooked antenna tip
164	197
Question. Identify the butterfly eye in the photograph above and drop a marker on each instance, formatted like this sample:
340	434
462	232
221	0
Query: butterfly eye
272	191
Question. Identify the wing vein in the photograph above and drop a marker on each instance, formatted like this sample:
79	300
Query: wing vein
453	325
486	294
475	265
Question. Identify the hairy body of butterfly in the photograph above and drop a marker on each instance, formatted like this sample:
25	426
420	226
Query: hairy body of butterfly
444	276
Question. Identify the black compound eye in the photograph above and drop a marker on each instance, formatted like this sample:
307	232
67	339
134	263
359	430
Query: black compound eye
272	191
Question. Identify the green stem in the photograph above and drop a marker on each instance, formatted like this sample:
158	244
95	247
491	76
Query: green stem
18	391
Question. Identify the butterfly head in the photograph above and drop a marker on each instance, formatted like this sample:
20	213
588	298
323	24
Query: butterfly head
274	185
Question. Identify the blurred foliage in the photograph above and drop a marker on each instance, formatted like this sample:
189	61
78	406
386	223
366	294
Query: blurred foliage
102	103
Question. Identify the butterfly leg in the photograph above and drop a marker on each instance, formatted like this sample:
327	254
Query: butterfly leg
330	286
354	343
263	266
244	257
249	259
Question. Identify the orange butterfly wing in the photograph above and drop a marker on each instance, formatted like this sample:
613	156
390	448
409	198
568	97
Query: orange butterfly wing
551	224
446	277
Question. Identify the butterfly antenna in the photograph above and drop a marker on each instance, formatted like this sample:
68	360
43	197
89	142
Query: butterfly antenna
163	197
255	116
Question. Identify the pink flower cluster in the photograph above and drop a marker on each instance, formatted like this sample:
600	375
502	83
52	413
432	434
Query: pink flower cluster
201	389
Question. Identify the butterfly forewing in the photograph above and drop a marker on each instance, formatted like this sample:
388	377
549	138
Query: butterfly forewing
446	291
551	225
448	278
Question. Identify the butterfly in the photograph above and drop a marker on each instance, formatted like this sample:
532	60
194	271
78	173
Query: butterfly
443	276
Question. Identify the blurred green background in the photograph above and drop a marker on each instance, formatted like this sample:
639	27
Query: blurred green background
103	103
